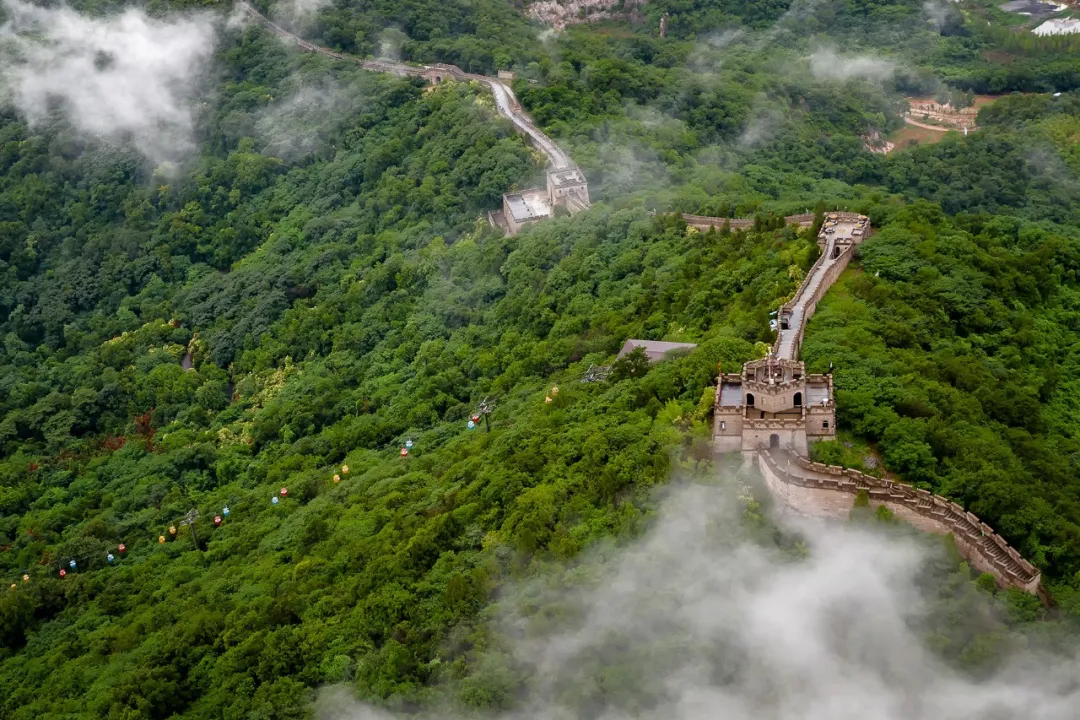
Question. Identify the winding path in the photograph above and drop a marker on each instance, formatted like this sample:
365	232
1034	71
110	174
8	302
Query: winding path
505	100
787	340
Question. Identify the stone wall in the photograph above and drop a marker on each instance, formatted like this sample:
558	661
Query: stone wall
828	279
820	421
828	491
704	222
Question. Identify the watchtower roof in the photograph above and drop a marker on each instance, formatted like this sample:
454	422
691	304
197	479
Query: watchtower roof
845	227
566	177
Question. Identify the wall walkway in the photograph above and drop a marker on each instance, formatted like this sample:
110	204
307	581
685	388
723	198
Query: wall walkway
826	491
802	306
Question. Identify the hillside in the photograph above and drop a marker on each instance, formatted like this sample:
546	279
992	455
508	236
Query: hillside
279	294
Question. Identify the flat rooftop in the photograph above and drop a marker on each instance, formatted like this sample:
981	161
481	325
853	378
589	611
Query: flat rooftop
527	205
730	394
815	394
844	229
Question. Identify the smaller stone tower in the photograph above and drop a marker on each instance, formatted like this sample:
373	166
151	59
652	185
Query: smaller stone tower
567	187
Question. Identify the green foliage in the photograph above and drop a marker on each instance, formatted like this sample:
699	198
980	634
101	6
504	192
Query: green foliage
276	310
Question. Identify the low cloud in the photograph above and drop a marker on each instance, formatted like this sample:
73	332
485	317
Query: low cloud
765	122
124	77
293	127
699	620
937	13
391	42
297	13
827	64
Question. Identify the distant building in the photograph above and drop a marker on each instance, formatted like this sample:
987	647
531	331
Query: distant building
1058	26
506	75
524	207
656	350
565	186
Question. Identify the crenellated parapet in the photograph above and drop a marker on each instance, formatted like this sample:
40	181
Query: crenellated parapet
819	490
705	222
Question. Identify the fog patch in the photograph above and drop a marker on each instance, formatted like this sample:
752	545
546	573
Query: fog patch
298	13
627	166
292	127
706	57
391	42
121	78
827	64
238	18
705	617
765	123
548	36
937	13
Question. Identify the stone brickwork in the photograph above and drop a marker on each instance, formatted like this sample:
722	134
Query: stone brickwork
704	222
828	491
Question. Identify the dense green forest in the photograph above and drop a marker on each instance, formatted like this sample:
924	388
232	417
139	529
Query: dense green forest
316	285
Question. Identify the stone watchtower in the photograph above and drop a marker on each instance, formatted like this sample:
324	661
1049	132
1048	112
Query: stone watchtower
567	187
773	403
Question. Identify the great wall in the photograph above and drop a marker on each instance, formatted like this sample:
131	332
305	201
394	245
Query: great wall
828	491
566	184
772	409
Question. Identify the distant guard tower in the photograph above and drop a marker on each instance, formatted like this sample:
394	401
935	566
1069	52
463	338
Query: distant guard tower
567	187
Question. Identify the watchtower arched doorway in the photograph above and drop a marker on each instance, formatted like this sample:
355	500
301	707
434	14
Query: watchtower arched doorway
798	399
749	399
774	441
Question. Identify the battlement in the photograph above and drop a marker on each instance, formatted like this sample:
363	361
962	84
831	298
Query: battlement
566	183
768	374
525	207
818	490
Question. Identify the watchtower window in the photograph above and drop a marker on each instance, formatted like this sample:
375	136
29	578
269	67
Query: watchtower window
798	399
762	414
824	424
749	399
723	425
